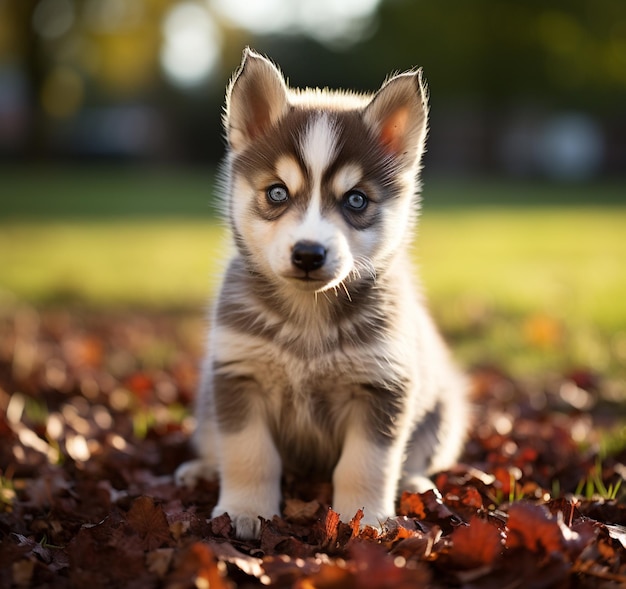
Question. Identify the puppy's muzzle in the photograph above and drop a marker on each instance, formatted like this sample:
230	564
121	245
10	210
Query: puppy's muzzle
308	255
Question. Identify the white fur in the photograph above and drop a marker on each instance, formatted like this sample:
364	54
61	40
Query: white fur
250	471
319	144
364	479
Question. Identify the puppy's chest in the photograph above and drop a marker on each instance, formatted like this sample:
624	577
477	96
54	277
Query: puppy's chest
309	409
307	393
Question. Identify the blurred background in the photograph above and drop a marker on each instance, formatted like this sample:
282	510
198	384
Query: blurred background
110	136
524	90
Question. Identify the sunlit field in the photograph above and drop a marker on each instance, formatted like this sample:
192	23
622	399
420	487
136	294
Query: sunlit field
510	280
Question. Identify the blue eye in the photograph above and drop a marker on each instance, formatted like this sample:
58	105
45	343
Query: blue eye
355	200
277	193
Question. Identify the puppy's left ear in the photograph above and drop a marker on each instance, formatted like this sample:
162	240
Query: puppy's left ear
398	115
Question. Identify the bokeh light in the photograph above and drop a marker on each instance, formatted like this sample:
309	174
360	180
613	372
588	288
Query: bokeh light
53	18
502	75
329	21
191	48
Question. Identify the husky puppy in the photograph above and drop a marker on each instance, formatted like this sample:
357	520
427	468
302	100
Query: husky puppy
322	359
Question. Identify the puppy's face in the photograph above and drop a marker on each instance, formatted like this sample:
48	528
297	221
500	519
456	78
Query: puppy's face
321	185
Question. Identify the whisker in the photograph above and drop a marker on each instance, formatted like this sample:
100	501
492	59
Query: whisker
345	288
364	265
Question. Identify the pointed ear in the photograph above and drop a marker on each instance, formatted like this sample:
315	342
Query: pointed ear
398	115
256	98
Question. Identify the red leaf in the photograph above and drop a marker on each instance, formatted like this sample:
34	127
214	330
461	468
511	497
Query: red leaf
470	497
329	528
355	523
142	385
411	505
428	505
476	545
534	528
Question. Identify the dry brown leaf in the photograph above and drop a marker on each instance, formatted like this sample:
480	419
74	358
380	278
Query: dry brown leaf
91	524
198	567
158	561
148	520
222	525
250	565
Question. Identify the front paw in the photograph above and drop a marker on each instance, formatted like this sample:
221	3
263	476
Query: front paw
189	473
416	484
374	515
246	521
373	520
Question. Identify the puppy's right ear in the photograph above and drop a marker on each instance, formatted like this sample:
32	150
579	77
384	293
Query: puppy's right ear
256	98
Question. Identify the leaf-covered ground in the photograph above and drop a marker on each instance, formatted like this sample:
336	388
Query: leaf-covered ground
95	418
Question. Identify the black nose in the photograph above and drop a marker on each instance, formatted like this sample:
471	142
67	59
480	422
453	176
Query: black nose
308	255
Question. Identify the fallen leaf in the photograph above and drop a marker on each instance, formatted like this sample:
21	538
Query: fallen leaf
475	545
411	505
617	533
197	567
148	520
355	523
158	561
329	576
99	521
222	525
22	572
534	528
249	565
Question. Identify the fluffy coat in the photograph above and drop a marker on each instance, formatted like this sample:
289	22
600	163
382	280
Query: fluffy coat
322	358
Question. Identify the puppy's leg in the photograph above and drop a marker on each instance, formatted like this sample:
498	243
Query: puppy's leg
366	476
249	463
250	470
436	440
422	446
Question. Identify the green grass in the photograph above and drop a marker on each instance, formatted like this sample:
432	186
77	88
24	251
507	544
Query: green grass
568	261
533	285
113	262
47	192
519	278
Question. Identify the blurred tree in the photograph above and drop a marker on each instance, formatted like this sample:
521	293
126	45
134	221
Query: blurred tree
566	54
19	39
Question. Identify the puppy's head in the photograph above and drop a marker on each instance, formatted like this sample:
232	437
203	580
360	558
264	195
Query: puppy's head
321	185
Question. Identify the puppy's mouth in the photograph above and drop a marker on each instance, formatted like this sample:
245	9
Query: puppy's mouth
308	278
311	281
